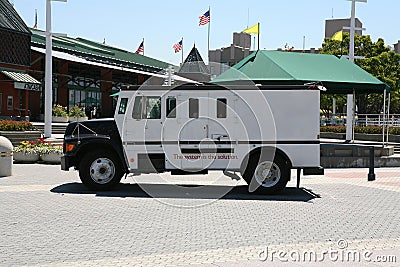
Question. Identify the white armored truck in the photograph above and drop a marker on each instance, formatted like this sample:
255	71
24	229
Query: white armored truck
260	131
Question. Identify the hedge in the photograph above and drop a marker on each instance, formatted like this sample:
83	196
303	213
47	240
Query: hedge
360	129
8	125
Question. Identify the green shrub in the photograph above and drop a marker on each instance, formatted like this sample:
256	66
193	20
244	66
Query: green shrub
368	129
360	129
8	125
333	129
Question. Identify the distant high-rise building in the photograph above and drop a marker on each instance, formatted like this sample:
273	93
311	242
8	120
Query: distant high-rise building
397	47
332	26
223	58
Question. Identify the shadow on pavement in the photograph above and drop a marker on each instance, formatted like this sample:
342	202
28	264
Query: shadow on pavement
188	192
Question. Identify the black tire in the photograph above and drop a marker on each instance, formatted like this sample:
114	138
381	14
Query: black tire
277	176
100	170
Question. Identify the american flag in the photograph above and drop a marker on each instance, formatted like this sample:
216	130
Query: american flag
140	48
205	18
178	46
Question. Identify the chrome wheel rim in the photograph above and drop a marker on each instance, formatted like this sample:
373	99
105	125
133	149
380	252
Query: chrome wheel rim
267	174
102	170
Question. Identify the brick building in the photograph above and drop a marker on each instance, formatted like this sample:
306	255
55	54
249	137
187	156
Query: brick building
16	86
85	73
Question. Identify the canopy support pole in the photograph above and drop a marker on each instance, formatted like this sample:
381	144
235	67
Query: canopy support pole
349	118
383	118
354	114
388	117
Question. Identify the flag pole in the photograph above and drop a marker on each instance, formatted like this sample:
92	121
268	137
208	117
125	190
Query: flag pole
258	36
209	26
36	20
143	46
182	52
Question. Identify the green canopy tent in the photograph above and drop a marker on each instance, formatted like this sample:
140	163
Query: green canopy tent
338	75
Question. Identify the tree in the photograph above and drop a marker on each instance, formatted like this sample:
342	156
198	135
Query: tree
379	61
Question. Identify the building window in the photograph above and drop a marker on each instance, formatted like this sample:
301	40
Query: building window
193	108
10	102
171	107
221	108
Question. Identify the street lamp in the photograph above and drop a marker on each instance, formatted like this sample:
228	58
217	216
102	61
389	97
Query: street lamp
48	93
350	97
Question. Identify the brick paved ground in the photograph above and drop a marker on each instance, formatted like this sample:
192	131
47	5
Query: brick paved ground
48	218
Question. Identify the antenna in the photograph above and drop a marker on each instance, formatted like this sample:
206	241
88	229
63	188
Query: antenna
332	12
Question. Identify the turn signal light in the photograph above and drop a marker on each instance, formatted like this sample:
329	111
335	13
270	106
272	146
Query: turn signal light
69	147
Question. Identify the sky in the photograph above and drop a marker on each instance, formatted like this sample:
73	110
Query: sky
124	23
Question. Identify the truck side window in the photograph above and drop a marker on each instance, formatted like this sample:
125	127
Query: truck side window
137	108
122	106
221	108
193	108
171	107
153	107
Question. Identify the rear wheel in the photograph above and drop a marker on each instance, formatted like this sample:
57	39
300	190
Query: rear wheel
100	170
265	176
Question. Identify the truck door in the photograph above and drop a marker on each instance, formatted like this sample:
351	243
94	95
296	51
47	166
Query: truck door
223	128
185	131
143	127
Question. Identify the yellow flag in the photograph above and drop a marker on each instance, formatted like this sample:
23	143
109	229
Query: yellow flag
254	29
338	36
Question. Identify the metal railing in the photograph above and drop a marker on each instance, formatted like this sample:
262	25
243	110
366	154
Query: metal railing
393	120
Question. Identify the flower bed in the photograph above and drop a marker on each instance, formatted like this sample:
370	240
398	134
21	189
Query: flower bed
9	125
76	114
59	114
29	152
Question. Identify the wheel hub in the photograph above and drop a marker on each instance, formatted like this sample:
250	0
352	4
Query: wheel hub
267	174
102	170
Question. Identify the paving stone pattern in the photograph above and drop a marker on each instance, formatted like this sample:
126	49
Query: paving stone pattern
48	218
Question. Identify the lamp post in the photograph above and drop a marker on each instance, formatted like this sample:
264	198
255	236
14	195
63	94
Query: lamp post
350	97
48	93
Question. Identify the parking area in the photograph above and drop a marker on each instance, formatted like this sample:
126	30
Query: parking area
49	219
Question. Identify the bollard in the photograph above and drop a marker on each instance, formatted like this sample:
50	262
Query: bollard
371	174
6	157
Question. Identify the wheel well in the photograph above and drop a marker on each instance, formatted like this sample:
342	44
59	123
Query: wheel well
259	150
97	146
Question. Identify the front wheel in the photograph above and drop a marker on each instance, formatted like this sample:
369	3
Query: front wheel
265	176
100	170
